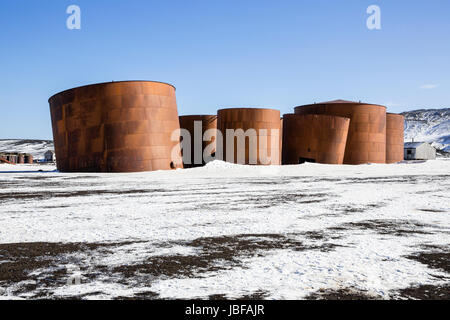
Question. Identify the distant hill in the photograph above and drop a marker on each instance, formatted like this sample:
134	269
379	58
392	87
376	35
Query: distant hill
429	125
35	147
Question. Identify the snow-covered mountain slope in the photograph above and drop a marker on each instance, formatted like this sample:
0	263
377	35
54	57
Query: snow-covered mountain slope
35	147
432	125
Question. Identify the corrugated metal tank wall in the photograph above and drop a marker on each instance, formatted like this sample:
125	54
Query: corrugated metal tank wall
116	127
21	159
257	119
281	140
208	122
366	140
315	138
395	134
29	159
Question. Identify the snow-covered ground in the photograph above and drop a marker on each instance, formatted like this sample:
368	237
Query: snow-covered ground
227	231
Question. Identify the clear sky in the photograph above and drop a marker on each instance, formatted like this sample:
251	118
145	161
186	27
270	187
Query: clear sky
224	53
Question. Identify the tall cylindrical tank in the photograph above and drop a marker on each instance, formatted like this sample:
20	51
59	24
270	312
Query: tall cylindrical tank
314	138
281	140
395	134
12	158
366	141
29	159
250	135
205	143
21	159
126	126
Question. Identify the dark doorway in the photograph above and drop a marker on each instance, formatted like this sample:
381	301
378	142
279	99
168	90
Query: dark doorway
303	160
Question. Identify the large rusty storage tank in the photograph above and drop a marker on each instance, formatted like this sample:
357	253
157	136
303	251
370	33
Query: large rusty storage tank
126	126
281	140
395	134
314	138
258	141
29	159
206	139
366	141
12	158
21	158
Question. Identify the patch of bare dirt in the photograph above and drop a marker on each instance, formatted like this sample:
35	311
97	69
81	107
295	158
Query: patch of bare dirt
42	265
425	292
214	254
341	294
43	195
390	227
435	257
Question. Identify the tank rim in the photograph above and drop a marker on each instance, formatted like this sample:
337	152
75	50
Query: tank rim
341	104
313	114
102	83
197	115
394	114
247	108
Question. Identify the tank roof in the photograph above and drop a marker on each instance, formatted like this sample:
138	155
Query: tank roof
338	101
413	144
102	83
341	101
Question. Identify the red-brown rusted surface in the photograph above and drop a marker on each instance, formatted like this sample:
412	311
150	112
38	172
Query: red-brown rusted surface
395	134
12	158
207	122
21	159
116	127
314	138
28	158
267	126
366	141
281	140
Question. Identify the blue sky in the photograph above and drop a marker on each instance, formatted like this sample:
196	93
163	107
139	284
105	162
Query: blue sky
273	54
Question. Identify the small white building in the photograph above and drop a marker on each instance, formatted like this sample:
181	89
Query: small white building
50	156
419	151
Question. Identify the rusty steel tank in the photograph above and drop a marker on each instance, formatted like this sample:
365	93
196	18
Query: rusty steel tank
12	158
21	159
28	159
126	126
258	141
395	134
366	141
314	138
206	124
281	140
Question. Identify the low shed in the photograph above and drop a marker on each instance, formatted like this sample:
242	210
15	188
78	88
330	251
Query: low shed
419	151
